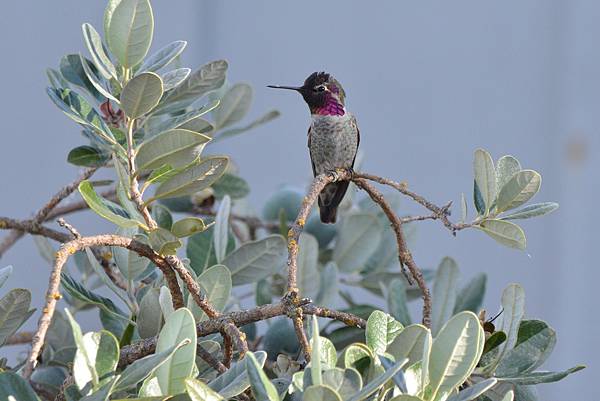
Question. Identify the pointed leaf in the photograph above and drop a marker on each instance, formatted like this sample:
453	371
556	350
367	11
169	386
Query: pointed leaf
262	388
174	78
164	56
169	148
541	377
537	209
5	273
474	391
379	381
209	77
221	232
193	179
93	41
105	208
14	307
235	380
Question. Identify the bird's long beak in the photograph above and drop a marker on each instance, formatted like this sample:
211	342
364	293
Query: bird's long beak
294	88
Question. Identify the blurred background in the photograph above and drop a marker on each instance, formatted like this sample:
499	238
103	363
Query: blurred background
429	83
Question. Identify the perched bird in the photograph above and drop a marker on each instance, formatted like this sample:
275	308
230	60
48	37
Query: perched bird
333	136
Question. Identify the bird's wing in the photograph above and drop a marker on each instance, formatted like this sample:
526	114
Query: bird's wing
309	152
357	139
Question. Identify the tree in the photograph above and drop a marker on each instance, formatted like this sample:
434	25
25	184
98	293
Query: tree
173	327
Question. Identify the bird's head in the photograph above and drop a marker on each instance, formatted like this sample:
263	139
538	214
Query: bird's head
322	93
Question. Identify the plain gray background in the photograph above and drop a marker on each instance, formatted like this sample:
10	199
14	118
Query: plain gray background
428	81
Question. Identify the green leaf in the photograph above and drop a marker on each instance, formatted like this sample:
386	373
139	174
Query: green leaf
149	317
397	302
129	263
474	391
164	56
142	93
455	352
232	185
256	260
235	380
315	361
79	110
444	294
130	29
103	393
71	68
172	374
221	232
471	296
201	252
504	232
463	208
193	179
262	388
190	121
485	177
162	216
56	79
406	397
529	353
105	208
174	78
409	343
379	381
346	382
97	268
321	392
506	168
359	236
234	105
328	285
5	273
96	358
166	302
215	283
164	242
87	156
537	209
78	291
93	41
14	387
513	306
198	391
478	200
381	330
209	77
518	190
95	80
541	377
188	226
269	116
307	265
14	310
171	147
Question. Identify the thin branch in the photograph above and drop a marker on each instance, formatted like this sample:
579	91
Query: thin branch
53	294
46	210
23	337
404	254
62	222
139	349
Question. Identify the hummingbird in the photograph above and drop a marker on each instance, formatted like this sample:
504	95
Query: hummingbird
333	136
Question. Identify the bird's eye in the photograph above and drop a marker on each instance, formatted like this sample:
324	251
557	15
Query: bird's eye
320	88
